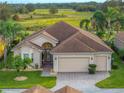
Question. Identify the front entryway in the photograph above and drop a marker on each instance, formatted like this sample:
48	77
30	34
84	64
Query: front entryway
47	57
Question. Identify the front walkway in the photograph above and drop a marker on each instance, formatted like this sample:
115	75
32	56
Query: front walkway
84	82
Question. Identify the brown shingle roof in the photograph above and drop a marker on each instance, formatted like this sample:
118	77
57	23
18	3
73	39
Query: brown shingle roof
28	43
61	30
37	89
71	39
120	36
81	43
67	89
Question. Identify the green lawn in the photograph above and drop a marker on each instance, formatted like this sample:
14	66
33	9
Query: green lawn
41	18
34	78
116	80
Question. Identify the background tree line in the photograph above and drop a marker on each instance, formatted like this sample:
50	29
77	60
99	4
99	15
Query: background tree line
89	6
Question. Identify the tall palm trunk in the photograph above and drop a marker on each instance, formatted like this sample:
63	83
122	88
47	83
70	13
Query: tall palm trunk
5	55
5	50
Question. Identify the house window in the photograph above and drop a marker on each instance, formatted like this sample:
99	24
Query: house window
26	55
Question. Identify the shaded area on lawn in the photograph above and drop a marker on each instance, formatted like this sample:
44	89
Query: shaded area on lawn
116	80
34	78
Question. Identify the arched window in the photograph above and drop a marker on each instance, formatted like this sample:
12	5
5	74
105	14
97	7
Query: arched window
47	45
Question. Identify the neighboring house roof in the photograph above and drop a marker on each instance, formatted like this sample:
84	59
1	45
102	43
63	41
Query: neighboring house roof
37	89
120	36
67	89
71	39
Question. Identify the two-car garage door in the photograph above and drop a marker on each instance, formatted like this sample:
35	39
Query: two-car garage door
80	64
73	64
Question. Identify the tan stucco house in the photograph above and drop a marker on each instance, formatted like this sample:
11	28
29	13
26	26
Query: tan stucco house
66	49
119	40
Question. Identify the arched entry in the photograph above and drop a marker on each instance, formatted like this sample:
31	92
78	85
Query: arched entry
47	58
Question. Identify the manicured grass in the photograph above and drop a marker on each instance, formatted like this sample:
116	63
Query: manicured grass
116	80
34	78
68	15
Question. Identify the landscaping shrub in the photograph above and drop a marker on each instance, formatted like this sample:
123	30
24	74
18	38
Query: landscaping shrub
21	64
92	65
114	63
121	54
36	66
114	66
0	91
26	62
18	63
92	68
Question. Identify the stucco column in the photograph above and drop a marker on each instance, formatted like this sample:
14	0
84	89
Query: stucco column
92	60
55	63
109	62
41	58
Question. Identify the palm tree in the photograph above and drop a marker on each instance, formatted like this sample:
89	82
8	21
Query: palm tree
111	14
85	23
106	20
8	29
99	20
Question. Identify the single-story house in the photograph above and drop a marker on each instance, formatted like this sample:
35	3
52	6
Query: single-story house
66	49
119	40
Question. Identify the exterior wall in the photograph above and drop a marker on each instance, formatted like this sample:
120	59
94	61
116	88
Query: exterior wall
90	55
118	43
17	52
41	39
37	58
27	50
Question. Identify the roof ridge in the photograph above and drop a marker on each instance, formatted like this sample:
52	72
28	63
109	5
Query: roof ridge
43	32
63	42
80	30
103	44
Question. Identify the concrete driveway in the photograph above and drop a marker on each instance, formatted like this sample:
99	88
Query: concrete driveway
84	82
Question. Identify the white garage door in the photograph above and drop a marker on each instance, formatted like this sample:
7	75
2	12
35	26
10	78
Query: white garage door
101	62
73	64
